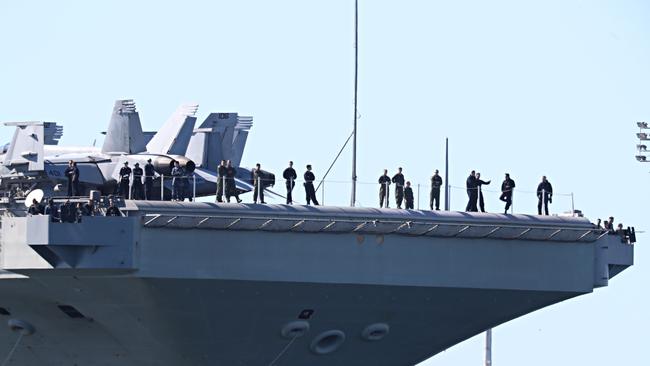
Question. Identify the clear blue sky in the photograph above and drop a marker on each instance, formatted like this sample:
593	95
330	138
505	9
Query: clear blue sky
536	87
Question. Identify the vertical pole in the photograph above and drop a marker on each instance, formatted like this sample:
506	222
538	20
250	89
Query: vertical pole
193	187
259	188
223	187
488	347
162	187
573	207
446	174
353	198
131	186
418	196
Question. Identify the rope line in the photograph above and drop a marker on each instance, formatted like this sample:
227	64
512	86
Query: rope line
281	352
13	349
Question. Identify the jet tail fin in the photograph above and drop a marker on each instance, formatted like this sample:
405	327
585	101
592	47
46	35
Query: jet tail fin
222	136
124	132
26	147
53	133
174	136
244	124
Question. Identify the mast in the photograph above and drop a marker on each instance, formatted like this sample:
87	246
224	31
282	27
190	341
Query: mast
488	347
353	198
446	174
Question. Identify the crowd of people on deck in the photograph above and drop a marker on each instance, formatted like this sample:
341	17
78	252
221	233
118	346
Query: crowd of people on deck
73	212
132	185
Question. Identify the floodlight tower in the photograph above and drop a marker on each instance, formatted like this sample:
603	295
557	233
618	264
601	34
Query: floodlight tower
641	147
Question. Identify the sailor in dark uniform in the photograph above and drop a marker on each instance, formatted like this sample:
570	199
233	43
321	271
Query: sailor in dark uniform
310	192
290	176
472	192
221	181
479	184
408	196
398	179
35	208
53	211
69	173
434	197
177	182
231	187
544	195
384	182
112	210
507	188
136	188
258	183
149	173
125	176
75	179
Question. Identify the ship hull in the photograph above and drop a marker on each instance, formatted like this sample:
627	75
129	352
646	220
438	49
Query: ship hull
145	321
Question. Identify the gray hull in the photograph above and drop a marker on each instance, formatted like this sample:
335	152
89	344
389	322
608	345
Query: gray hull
202	284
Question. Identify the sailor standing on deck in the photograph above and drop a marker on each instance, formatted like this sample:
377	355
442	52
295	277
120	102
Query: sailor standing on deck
472	192
75	179
258	184
177	182
137	182
221	180
53	211
436	183
149	173
69	173
544	195
310	192
479	184
398	179
125	176
384	182
35	208
112	210
507	187
231	187
408	196
290	176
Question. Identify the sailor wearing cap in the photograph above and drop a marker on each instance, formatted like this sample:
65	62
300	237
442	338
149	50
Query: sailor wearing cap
125	176
310	192
138	192
434	198
507	188
398	179
149	173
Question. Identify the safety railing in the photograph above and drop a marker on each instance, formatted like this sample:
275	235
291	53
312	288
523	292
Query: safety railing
158	187
336	193
421	196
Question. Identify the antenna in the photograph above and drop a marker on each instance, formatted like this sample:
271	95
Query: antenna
353	198
446	174
488	347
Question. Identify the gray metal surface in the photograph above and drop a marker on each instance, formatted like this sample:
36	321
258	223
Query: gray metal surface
216	284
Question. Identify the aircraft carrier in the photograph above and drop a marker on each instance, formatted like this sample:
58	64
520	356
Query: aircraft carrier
196	283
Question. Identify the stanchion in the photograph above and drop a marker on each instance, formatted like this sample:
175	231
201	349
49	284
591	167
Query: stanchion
162	187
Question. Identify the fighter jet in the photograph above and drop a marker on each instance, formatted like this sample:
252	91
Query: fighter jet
33	159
